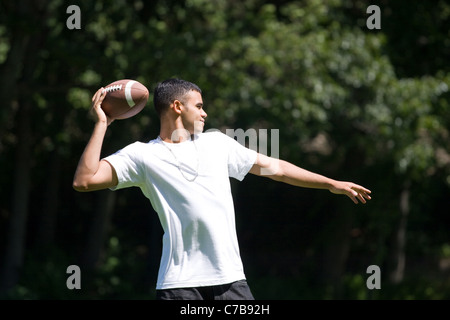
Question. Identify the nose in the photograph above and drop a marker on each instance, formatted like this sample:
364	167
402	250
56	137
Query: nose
204	114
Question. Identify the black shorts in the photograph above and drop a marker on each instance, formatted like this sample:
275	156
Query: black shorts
238	290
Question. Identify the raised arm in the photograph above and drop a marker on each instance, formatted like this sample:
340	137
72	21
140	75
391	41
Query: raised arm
92	173
286	172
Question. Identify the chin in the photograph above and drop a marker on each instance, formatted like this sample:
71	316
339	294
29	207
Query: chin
198	129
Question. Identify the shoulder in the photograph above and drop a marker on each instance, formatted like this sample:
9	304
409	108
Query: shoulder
139	145
218	140
212	133
216	136
132	147
136	149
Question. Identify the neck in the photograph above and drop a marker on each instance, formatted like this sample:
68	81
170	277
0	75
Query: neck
176	135
173	131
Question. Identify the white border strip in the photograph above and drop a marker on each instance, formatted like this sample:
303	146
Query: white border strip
128	93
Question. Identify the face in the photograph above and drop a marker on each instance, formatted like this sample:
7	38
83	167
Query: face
192	113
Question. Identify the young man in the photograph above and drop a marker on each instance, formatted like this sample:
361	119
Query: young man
185	175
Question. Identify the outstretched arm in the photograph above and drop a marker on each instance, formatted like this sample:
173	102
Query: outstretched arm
93	173
286	172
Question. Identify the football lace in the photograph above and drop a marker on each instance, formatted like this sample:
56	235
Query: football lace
114	88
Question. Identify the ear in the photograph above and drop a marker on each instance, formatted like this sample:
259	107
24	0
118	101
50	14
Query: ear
176	106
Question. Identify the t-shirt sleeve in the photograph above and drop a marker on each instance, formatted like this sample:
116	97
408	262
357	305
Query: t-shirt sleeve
240	159
126	163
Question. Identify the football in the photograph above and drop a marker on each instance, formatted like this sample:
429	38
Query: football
124	98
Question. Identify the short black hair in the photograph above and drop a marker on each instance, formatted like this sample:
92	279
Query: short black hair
169	90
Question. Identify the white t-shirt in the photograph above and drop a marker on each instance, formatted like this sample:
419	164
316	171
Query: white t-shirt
200	246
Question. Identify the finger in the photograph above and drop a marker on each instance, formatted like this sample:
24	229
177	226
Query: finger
364	189
98	95
357	196
102	94
361	198
365	192
360	195
352	195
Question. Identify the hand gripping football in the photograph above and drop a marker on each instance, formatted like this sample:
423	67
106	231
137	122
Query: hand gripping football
124	98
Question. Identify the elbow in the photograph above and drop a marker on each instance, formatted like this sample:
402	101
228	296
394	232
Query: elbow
79	186
279	171
272	168
275	170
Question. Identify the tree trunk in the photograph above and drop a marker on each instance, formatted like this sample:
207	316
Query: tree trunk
98	229
9	73
15	247
20	65
398	253
47	219
336	251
